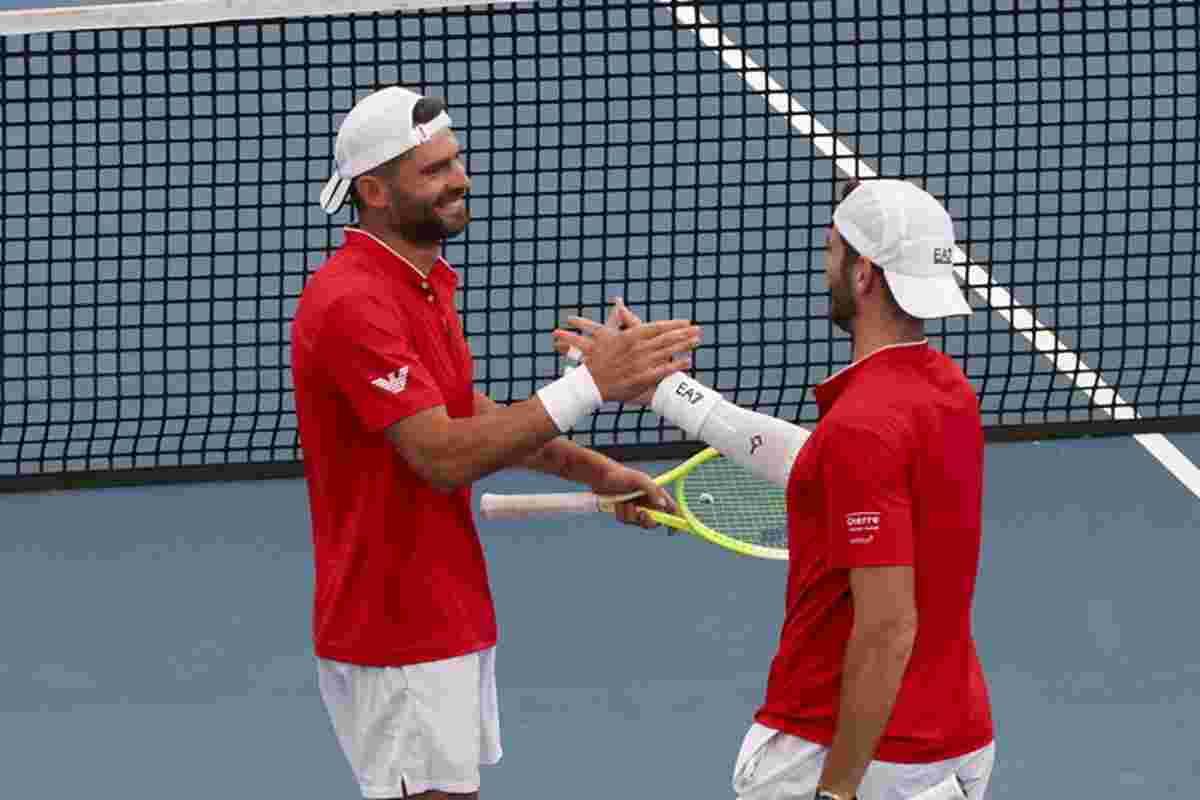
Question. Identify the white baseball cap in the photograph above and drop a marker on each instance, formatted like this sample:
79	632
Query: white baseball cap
376	130
910	235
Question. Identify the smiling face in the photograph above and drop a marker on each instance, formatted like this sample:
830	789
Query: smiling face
421	195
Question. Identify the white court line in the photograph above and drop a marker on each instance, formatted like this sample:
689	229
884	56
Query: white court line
197	12
1022	320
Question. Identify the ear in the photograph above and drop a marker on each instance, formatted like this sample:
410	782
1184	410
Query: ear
862	272
371	191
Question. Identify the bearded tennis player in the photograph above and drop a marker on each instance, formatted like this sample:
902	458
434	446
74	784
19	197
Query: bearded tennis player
394	434
876	691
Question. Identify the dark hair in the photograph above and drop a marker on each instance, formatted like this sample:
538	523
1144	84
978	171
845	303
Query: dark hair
853	255
424	111
427	108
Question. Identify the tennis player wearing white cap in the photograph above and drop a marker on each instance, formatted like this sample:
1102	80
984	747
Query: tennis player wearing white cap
876	690
394	434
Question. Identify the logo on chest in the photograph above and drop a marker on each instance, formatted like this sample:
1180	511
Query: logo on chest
394	382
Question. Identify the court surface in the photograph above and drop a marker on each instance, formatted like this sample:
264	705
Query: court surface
156	641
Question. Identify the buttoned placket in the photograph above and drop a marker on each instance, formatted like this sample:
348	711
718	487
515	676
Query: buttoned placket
431	298
426	286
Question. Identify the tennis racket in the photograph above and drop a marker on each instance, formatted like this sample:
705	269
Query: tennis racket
718	500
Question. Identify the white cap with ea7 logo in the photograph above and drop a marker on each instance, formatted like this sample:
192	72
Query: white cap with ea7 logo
378	128
910	235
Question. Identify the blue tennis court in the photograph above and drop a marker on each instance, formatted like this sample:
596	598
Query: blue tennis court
157	641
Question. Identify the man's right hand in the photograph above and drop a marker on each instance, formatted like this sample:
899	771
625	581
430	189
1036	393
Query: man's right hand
622	318
628	364
619	318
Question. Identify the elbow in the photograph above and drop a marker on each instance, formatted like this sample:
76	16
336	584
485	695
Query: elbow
441	470
443	482
434	452
905	635
445	474
897	634
451	482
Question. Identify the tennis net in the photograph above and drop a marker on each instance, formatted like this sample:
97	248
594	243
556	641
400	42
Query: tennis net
161	162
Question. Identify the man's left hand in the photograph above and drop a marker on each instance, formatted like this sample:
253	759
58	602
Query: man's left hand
622	480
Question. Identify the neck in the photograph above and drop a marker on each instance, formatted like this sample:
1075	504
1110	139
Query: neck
871	335
422	256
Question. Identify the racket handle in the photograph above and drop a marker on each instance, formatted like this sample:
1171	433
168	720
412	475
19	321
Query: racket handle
520	506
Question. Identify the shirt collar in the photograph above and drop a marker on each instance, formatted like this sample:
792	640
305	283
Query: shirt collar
440	274
830	389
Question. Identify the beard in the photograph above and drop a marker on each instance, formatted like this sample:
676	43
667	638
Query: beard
427	222
843	307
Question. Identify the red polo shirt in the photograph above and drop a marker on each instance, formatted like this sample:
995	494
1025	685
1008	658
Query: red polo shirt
892	475
400	572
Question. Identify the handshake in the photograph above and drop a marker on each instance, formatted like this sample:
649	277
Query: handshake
624	360
629	360
626	357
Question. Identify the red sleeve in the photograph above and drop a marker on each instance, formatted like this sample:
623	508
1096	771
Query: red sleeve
367	348
865	478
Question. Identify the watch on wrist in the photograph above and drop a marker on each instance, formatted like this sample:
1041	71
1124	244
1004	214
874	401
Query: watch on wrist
825	794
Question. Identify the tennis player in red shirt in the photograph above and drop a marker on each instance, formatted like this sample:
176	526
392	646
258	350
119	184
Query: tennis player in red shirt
876	691
394	434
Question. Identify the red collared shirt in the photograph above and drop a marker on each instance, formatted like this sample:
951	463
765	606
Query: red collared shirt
400	572
892	475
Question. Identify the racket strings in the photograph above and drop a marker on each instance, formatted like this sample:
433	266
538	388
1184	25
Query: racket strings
733	501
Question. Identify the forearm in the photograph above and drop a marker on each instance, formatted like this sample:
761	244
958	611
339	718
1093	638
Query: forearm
571	461
460	451
874	667
560	456
765	445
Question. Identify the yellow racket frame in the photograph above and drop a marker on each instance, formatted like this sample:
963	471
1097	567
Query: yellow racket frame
686	520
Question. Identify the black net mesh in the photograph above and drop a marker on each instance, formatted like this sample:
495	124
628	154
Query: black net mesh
159	217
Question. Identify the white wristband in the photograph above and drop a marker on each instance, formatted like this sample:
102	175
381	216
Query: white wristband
684	402
571	397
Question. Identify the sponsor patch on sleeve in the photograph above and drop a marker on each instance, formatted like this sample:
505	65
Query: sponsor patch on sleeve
393	382
861	526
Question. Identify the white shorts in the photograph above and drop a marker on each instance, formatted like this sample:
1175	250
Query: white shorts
418	728
773	765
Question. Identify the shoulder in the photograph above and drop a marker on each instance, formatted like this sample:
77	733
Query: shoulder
879	407
345	283
941	389
341	303
905	390
343	272
860	438
942	370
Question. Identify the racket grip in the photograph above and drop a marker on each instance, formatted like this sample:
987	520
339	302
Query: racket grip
520	506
